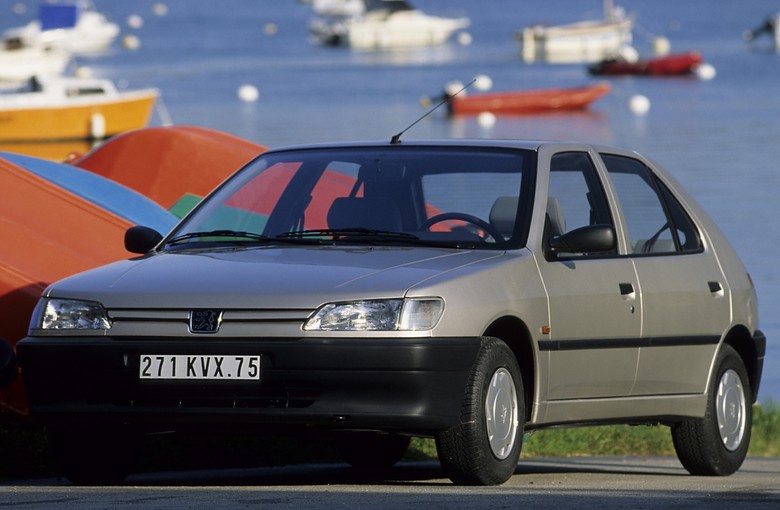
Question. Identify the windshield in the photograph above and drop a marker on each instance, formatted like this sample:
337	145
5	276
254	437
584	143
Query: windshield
460	197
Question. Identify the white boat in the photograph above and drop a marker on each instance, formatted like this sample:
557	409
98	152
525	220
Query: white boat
337	7
584	41
21	64
73	26
386	24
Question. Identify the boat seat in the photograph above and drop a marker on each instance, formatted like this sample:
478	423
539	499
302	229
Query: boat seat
503	215
377	213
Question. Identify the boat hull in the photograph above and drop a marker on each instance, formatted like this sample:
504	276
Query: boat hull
670	65
82	119
587	41
529	101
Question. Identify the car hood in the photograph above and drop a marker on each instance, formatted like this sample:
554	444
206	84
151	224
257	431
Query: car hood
269	277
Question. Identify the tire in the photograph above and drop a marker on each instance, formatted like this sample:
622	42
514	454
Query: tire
95	456
373	452
484	448
716	444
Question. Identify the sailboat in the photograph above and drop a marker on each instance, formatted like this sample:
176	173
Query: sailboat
583	41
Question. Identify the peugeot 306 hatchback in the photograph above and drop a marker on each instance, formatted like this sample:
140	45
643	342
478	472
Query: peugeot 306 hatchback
467	291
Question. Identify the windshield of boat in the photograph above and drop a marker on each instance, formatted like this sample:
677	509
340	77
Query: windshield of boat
457	197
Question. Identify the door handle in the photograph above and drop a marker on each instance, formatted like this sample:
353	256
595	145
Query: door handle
626	289
715	287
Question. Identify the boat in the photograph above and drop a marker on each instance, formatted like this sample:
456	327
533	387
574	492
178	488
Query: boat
668	65
19	64
771	26
64	108
386	24
74	26
524	102
583	41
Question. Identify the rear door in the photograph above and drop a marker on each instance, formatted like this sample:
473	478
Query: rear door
685	298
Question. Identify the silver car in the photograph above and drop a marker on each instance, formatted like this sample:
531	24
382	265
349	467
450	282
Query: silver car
467	291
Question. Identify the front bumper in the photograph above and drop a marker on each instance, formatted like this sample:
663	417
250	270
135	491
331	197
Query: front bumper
399	385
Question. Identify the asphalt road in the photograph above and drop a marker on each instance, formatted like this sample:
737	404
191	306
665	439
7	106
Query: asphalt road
583	483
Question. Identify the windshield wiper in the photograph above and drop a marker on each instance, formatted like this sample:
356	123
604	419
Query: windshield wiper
237	236
351	233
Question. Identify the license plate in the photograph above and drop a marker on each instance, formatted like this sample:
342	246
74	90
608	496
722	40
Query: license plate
178	366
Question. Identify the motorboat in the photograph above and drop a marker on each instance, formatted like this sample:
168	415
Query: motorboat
667	65
62	108
386	24
74	26
525	102
583	41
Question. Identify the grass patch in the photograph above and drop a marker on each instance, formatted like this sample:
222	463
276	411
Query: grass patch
24	450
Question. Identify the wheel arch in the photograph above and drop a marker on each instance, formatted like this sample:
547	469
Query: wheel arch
516	335
740	339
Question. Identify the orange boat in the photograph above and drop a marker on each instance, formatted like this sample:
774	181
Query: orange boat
72	108
521	102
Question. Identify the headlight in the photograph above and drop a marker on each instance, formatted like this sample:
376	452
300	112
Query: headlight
378	315
69	314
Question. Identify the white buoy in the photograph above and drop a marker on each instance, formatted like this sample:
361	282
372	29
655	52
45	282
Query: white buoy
248	93
705	71
135	21
639	104
131	42
483	82
160	9
97	126
465	39
661	46
453	88
486	120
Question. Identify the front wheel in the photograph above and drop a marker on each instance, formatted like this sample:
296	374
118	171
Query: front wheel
716	444
483	449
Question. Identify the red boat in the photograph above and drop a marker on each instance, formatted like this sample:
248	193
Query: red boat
520	102
669	65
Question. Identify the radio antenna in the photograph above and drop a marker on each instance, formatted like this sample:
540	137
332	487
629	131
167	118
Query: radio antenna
396	139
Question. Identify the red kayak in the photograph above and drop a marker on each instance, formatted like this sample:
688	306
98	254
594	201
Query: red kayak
669	65
521	102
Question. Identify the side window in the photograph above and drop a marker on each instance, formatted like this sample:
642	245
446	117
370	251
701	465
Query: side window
656	221
575	196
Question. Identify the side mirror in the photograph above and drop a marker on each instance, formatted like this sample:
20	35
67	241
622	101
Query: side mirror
588	239
141	240
8	365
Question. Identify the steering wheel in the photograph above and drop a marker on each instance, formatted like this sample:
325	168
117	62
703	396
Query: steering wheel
468	218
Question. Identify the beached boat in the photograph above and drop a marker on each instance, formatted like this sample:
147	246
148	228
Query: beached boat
74	26
523	102
72	108
584	41
386	24
667	65
21	64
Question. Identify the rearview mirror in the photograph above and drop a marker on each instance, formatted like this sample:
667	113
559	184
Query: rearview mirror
588	239
141	240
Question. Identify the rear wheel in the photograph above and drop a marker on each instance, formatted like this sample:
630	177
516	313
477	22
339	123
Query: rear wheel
92	456
716	445
372	451
483	449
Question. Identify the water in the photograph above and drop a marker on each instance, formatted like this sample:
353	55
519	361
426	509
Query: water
720	137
